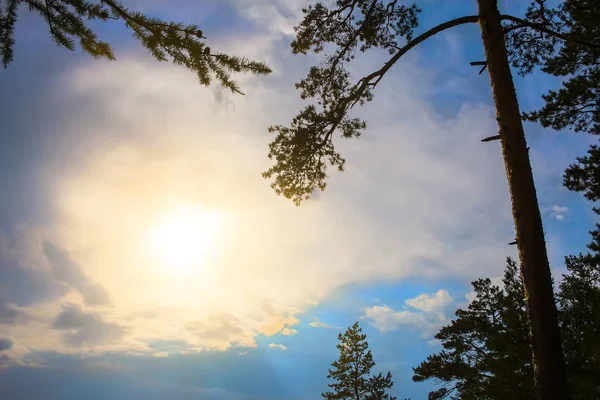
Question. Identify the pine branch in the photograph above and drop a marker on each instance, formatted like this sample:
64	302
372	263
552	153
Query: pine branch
540	28
300	151
7	31
181	43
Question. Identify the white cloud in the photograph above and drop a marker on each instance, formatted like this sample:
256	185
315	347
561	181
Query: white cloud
470	296
557	212
421	197
433	304
319	324
288	331
243	353
430	314
560	209
277	16
277	346
85	329
386	319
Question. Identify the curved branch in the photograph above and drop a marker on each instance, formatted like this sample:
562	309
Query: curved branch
366	82
511	28
523	24
421	38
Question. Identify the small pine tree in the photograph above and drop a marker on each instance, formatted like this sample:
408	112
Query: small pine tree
351	371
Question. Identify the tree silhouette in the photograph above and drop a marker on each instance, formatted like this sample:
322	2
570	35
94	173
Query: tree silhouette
575	105
485	349
304	150
183	44
579	296
351	371
486	352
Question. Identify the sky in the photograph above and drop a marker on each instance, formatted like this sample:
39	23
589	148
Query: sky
142	255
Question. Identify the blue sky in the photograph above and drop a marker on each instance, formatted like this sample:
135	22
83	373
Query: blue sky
96	156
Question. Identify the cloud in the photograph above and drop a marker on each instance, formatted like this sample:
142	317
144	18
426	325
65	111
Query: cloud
83	328
37	270
470	296
278	17
70	272
319	324
288	331
28	276
221	331
10	314
560	209
277	346
430	314
557	212
420	198
6	361
5	344
387	319
433	304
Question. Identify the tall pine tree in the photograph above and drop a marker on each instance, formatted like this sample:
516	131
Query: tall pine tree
574	106
579	296
352	370
183	44
303	151
485	353
486	350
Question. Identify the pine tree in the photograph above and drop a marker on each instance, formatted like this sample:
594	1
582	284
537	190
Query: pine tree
303	151
351	371
579	305
486	352
574	106
183	44
584	176
378	384
579	296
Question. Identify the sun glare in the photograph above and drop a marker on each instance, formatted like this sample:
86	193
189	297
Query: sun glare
182	237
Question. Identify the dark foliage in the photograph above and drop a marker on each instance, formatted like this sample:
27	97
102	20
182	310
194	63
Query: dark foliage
486	352
579	296
183	44
575	105
351	371
303	151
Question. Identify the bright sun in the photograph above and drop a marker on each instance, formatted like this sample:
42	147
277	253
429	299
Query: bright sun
183	236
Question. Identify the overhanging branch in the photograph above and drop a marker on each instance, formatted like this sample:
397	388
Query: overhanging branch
373	79
419	39
377	75
540	28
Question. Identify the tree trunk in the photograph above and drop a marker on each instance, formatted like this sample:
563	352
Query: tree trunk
549	365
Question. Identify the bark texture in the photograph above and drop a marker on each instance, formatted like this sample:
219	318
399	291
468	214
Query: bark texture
549	365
